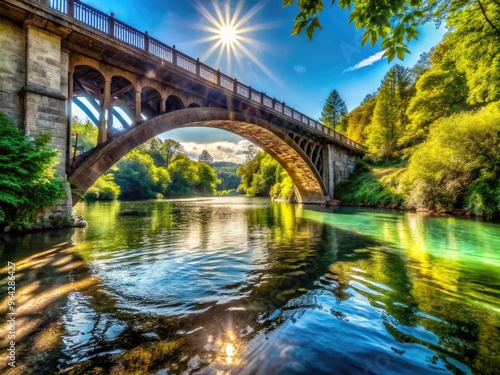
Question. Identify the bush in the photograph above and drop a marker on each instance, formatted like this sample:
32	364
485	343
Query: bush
458	166
104	189
29	182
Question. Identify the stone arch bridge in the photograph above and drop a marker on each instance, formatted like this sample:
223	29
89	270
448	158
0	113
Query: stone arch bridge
54	53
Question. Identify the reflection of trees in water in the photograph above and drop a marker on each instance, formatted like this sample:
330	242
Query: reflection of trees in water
300	260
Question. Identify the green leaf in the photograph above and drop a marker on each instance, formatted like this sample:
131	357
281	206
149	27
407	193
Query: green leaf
287	2
310	31
297	29
316	24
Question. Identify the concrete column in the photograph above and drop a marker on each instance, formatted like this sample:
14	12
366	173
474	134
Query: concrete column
163	104
105	103
138	108
70	117
329	169
45	105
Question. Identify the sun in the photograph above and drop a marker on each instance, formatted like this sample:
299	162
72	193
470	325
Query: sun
230	31
228	34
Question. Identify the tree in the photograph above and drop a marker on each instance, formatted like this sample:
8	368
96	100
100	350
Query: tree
394	21
139	178
440	91
333	111
205	157
163	152
474	45
265	176
87	134
104	189
458	165
389	115
28	180
207	178
250	152
184	174
360	118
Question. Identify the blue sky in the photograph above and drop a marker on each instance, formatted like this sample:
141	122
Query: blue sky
292	69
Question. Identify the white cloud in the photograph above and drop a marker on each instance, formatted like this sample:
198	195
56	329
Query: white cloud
221	151
301	69
366	62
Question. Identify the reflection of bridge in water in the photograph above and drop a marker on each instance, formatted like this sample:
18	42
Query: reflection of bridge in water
67	51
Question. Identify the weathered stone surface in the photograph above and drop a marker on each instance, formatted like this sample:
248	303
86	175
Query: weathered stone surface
12	70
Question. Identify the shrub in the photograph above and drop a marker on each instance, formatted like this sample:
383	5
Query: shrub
29	182
458	166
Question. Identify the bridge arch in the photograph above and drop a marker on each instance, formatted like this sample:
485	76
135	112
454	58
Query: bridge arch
174	103
265	134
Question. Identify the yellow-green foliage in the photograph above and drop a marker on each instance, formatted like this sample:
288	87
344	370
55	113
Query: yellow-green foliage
265	176
284	187
104	188
458	166
377	187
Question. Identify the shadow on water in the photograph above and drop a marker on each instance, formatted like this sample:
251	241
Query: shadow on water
244	286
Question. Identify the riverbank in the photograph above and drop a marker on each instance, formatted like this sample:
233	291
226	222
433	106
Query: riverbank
386	186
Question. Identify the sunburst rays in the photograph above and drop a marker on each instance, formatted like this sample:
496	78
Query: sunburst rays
230	32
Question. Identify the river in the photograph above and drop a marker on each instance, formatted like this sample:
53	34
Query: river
234	285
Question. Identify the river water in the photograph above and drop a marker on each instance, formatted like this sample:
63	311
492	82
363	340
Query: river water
236	285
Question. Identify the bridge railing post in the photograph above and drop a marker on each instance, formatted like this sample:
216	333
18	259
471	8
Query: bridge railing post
174	55
235	86
198	68
218	77
71	8
146	41
111	24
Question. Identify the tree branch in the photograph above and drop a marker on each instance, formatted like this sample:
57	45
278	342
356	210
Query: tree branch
486	17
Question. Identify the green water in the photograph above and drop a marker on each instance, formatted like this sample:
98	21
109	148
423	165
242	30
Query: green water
237	285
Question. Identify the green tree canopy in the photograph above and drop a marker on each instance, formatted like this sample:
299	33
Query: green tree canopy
264	176
440	91
139	178
87	134
394	21
360	118
28	180
459	164
164	151
389	115
333	112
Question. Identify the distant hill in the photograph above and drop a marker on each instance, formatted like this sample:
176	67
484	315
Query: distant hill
226	171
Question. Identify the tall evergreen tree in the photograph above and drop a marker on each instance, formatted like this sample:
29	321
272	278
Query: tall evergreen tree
389	116
333	112
205	157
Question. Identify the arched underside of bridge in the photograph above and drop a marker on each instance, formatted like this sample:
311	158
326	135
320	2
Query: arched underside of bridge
268	136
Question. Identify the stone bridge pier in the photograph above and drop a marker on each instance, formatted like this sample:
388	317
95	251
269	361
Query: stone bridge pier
53	53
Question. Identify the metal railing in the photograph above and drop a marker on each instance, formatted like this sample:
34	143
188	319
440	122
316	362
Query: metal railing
125	33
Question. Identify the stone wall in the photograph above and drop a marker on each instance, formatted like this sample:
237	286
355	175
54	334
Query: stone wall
33	89
12	70
344	164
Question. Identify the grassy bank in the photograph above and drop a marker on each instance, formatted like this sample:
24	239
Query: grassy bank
373	186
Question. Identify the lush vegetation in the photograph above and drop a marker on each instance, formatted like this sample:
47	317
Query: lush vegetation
226	172
439	122
29	182
264	176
